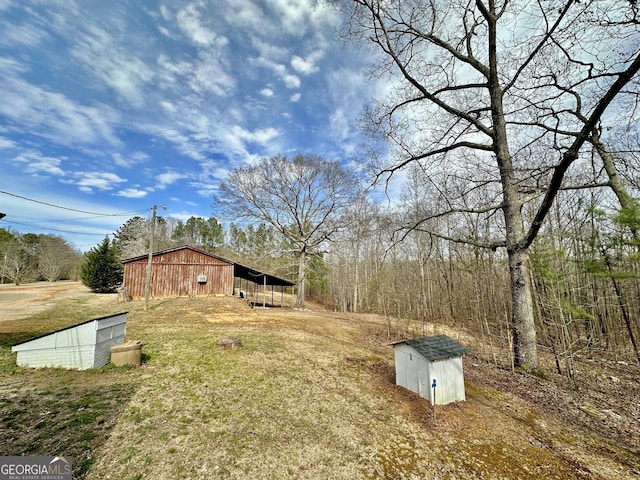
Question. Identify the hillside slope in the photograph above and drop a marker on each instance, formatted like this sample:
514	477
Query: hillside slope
311	395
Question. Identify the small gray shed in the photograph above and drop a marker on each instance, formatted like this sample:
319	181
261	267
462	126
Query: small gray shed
81	346
420	361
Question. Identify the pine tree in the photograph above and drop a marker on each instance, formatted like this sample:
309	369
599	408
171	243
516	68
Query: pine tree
102	270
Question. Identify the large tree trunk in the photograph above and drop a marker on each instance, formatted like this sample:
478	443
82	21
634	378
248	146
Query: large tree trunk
522	316
302	278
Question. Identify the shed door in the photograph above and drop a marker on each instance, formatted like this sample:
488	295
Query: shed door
450	380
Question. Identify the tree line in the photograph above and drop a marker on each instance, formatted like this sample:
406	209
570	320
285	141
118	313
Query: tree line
30	257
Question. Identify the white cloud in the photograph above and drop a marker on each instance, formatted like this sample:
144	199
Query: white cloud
26	35
290	80
139	156
171	70
258	136
168	178
6	143
36	163
307	66
209	75
131	159
266	92
114	66
168	106
119	160
52	115
339	124
275	53
295	97
245	14
190	22
166	14
298	18
131	193
88	181
165	31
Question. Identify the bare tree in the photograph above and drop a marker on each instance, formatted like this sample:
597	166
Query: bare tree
501	95
15	262
303	198
56	257
133	237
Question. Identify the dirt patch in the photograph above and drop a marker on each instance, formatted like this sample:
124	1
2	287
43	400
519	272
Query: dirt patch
22	301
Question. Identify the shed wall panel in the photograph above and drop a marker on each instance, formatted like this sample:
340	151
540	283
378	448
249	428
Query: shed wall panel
80	357
416	373
402	367
83	346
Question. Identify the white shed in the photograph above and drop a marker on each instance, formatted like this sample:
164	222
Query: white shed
81	346
421	362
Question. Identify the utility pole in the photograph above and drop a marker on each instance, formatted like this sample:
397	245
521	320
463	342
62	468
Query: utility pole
4	267
150	259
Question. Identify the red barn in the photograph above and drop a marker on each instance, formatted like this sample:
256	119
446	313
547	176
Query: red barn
189	271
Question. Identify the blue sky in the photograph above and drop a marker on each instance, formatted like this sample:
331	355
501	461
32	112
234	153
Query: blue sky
113	107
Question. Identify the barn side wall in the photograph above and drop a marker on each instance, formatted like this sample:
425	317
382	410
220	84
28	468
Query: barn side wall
175	274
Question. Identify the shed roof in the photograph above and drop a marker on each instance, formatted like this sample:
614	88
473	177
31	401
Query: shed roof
75	325
241	271
439	347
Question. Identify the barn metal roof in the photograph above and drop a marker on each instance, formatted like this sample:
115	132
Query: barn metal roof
256	276
439	347
241	271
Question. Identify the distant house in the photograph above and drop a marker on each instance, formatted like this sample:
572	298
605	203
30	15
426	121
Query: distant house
190	271
421	361
81	346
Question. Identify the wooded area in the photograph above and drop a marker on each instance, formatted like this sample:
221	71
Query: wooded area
500	106
584	267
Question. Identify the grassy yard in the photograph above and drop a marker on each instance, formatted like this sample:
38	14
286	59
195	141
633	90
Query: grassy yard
310	394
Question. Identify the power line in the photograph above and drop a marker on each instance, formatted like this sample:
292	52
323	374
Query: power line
123	214
51	229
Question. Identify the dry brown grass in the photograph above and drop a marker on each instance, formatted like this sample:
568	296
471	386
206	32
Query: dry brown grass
309	395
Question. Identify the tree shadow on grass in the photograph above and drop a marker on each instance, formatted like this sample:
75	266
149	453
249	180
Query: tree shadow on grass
49	412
